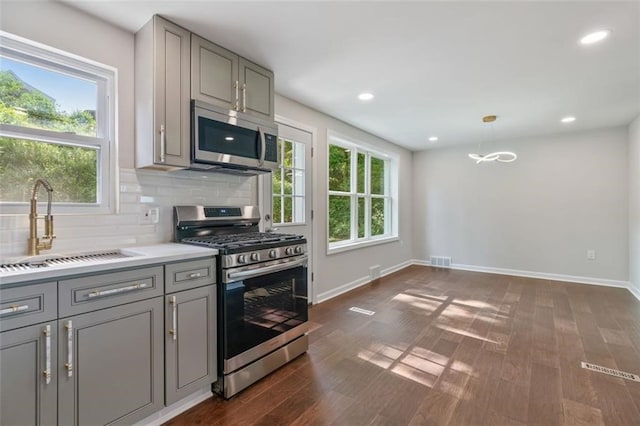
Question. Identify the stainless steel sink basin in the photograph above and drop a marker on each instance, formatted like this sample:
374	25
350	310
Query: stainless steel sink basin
44	261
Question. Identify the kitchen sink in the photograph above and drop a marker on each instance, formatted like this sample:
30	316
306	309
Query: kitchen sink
44	261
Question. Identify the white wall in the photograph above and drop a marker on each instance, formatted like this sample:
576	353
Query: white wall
634	206
338	272
564	195
64	28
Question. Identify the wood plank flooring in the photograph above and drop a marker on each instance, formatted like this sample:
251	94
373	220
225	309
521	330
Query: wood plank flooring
453	348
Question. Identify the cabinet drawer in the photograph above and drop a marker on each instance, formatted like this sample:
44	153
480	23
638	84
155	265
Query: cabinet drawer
101	291
27	305
185	275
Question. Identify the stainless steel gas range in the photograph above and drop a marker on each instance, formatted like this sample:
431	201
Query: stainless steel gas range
262	291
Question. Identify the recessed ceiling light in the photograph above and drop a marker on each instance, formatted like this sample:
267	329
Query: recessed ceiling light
365	96
595	37
228	138
433	139
568	119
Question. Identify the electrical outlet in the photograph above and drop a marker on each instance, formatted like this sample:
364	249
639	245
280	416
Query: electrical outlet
150	216
155	214
591	254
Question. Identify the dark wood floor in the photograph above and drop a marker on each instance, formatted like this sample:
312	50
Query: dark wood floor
453	348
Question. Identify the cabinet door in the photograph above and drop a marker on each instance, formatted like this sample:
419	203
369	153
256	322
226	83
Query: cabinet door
214	74
25	355
172	95
256	89
190	324
111	364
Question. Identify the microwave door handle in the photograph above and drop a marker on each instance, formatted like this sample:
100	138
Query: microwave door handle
263	143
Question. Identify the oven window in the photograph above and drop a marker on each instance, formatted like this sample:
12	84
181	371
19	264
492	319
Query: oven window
258	309
223	138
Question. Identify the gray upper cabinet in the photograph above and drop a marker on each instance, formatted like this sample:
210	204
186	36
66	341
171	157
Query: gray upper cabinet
28	378
257	89
214	74
222	78
190	342
111	368
162	95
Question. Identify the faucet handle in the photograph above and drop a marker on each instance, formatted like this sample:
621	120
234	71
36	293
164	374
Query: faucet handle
48	227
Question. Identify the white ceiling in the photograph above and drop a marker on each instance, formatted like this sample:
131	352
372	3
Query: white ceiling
435	67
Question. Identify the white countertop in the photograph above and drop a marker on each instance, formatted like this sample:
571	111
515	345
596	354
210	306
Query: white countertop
137	256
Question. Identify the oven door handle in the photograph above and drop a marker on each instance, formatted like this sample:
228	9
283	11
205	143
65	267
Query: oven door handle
266	270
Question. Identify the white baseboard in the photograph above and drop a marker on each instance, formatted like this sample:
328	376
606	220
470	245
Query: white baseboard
167	413
323	297
543	275
395	268
634	290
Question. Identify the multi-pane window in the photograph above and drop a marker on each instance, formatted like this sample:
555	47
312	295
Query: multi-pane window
56	123
288	183
359	194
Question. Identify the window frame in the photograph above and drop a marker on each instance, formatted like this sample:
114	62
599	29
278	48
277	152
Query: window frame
105	142
390	188
293	196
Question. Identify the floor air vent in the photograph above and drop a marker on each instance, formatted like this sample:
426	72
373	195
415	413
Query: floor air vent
361	311
440	261
611	371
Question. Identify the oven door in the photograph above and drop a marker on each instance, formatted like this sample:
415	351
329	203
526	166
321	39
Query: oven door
263	308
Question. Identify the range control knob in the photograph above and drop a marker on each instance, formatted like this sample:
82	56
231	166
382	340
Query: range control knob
255	256
242	258
273	254
298	250
288	251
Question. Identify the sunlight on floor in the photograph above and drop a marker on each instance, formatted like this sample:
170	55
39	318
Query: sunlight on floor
418	364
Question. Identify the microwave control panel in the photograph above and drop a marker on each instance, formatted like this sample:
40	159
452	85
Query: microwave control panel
271	151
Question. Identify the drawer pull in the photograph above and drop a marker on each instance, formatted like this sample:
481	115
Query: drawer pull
13	309
69	364
194	275
174	318
47	350
102	293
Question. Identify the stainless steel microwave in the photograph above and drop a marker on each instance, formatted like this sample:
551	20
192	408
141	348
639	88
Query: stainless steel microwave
231	141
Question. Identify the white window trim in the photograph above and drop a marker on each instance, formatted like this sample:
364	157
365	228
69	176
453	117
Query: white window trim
334	138
280	192
106	139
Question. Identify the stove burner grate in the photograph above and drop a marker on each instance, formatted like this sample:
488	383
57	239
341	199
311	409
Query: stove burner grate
241	240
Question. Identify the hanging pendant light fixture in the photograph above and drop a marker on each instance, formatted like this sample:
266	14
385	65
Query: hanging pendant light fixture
499	156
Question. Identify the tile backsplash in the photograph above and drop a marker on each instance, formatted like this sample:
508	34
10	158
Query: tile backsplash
140	190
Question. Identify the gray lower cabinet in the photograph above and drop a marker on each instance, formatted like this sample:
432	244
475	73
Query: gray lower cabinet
27	380
190	341
111	364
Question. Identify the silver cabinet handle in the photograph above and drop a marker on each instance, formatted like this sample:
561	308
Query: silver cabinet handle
244	97
163	144
102	293
47	350
174	318
194	275
236	85
69	364
263	143
14	308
